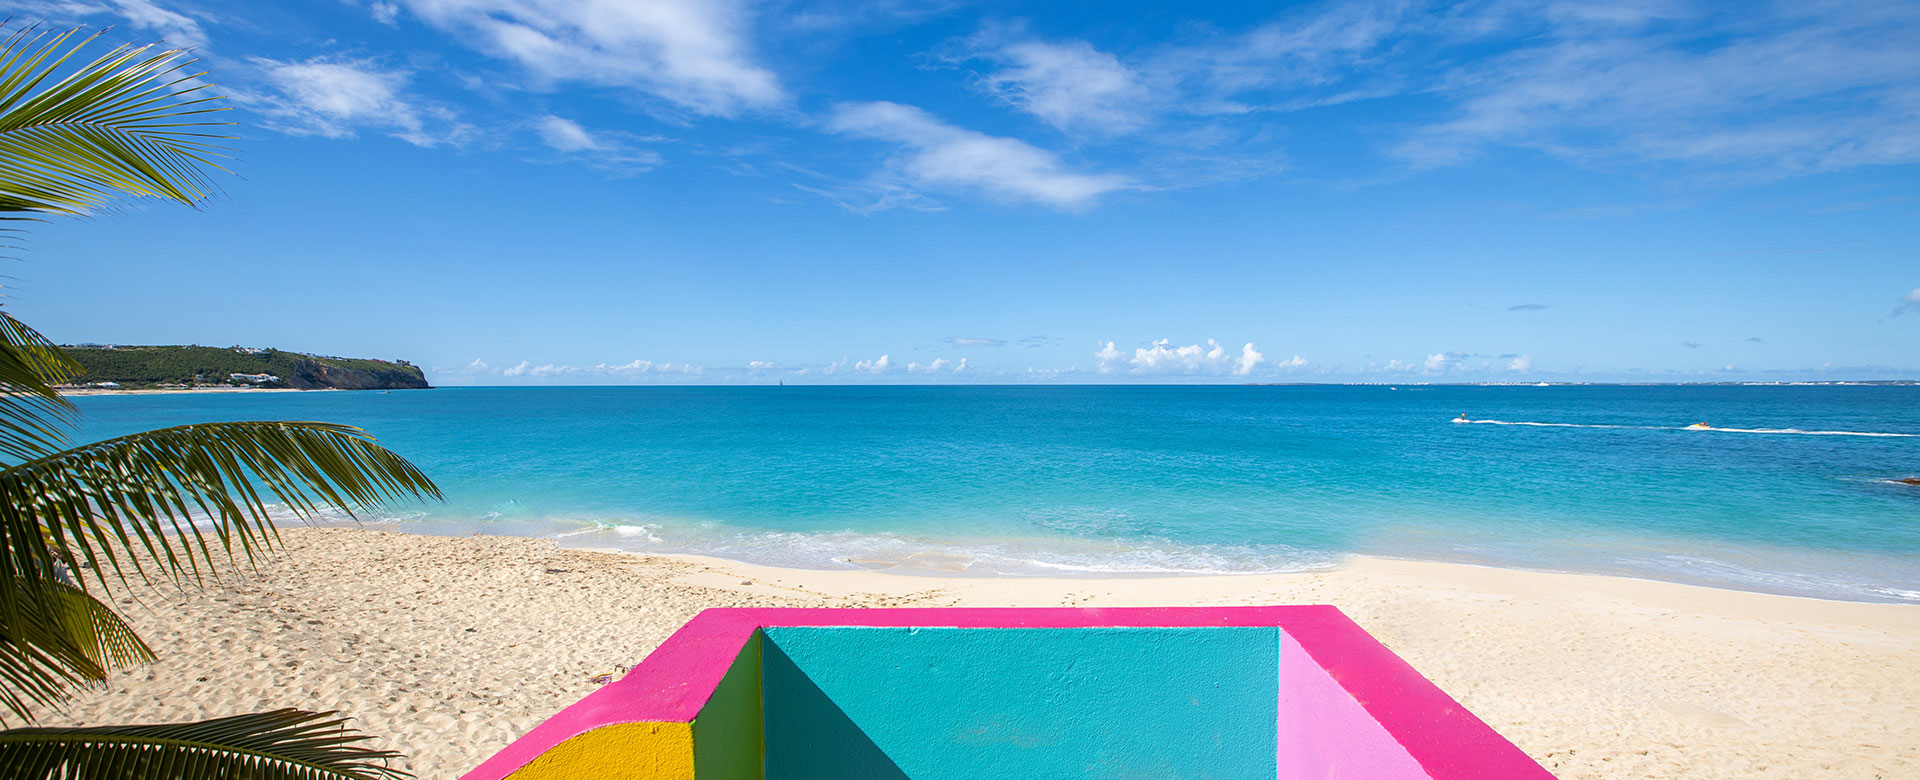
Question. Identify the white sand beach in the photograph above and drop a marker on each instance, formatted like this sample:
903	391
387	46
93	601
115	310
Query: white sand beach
451	647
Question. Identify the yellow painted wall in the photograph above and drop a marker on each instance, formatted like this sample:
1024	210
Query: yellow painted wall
623	751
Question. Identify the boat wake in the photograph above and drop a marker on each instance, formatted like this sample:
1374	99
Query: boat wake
1798	432
1557	425
1696	427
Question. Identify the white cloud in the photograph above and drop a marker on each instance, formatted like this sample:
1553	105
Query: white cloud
941	155
175	29
1779	89
1909	303
614	152
1440	362
640	368
1522	363
1162	358
961	366
1788	89
935	366
336	98
1292	363
692	53
637	370
1070	85
1168	102
875	366
565	135
1108	358
967	341
385	13
1249	357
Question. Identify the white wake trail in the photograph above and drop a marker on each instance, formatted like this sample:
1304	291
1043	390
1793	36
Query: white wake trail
1776	431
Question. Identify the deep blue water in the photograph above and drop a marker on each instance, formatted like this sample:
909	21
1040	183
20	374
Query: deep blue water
1064	480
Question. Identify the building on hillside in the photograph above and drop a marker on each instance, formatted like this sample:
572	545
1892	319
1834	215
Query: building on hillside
255	379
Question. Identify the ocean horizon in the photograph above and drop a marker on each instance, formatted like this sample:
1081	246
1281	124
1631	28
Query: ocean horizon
1789	489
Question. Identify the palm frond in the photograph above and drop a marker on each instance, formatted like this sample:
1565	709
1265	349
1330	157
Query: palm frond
33	416
147	490
132	122
284	744
64	637
100	633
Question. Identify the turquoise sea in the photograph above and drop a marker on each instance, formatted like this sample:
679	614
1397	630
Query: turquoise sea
1792	491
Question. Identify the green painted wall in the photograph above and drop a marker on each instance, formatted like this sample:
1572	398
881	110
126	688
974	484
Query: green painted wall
727	735
846	703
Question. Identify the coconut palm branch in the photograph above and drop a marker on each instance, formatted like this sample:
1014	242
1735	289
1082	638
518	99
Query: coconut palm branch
34	417
162	489
285	743
132	122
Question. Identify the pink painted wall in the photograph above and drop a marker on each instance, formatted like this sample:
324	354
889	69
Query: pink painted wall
1325	734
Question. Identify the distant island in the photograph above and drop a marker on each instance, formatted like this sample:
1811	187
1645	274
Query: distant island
124	367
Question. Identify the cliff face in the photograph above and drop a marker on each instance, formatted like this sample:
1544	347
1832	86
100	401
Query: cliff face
313	375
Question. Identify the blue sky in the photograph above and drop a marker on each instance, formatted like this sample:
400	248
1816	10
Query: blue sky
674	191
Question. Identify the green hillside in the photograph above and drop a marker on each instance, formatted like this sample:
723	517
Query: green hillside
145	367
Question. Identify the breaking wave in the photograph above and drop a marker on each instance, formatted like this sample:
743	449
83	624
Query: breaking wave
911	554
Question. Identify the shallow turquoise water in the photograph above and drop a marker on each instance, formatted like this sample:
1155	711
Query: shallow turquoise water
1064	480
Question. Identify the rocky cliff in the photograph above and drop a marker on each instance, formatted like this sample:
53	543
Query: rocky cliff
315	375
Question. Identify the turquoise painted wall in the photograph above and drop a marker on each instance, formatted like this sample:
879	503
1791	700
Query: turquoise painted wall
939	703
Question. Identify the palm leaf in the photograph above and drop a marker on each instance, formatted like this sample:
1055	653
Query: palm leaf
286	743
132	122
65	637
148	489
33	416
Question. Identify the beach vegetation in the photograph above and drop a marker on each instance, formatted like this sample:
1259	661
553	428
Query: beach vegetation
168	506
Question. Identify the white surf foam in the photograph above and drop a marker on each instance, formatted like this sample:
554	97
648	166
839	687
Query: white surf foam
1779	431
1798	432
905	553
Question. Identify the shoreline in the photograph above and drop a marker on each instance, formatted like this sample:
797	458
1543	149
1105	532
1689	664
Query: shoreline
84	391
450	647
911	567
1362	562
845	582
